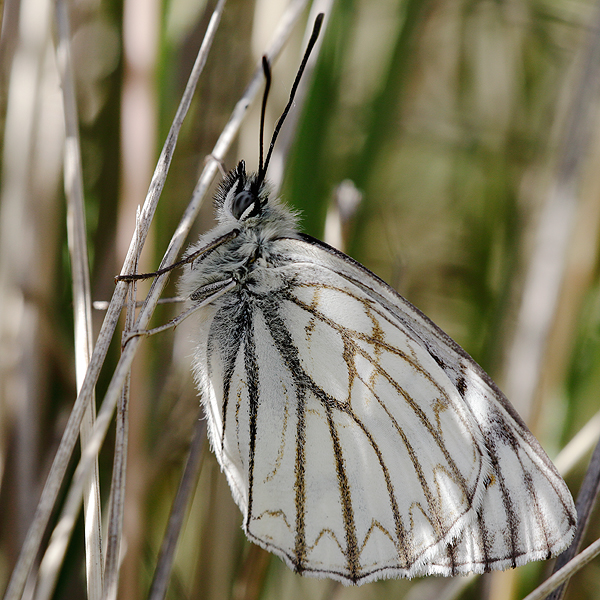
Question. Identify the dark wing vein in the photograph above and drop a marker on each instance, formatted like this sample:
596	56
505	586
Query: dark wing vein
251	368
376	341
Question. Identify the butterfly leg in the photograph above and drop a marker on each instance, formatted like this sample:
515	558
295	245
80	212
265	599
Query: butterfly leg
206	294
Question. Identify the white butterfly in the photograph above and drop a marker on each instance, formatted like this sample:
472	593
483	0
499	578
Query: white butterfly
359	441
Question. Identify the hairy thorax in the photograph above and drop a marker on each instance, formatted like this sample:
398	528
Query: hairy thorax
251	259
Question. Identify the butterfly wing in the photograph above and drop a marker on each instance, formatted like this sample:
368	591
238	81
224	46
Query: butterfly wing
359	440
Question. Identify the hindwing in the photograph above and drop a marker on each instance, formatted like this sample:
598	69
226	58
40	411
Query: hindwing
359	440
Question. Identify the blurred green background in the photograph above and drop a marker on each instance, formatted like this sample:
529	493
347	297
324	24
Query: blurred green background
449	117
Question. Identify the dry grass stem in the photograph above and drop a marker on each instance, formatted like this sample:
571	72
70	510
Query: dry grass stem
166	556
82	298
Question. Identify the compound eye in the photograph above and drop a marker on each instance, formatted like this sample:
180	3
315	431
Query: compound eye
241	202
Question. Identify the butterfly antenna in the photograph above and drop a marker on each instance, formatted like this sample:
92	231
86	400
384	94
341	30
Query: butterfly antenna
267	72
311	43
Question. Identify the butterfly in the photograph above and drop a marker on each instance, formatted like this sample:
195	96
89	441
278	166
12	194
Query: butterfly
359	441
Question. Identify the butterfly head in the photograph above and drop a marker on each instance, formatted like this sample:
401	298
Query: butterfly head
241	195
244	201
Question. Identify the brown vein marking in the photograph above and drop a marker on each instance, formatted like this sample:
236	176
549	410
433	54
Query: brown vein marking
274	513
438	406
300	487
539	516
282	340
522	444
420	414
451	548
322	533
251	368
351	553
492	438
352	373
531	488
484	539
442	469
418	506
310	327
458	477
378	341
228	370
237	420
289	352
558	490
434	506
510	532
282	444
411	453
375	524
400	530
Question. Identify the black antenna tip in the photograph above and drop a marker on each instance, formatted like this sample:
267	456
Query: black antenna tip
318	23
267	71
266	67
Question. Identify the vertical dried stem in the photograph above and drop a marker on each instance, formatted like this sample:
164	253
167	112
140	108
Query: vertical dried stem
82	302
166	556
26	229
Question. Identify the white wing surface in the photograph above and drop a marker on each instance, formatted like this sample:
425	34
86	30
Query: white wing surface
358	439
